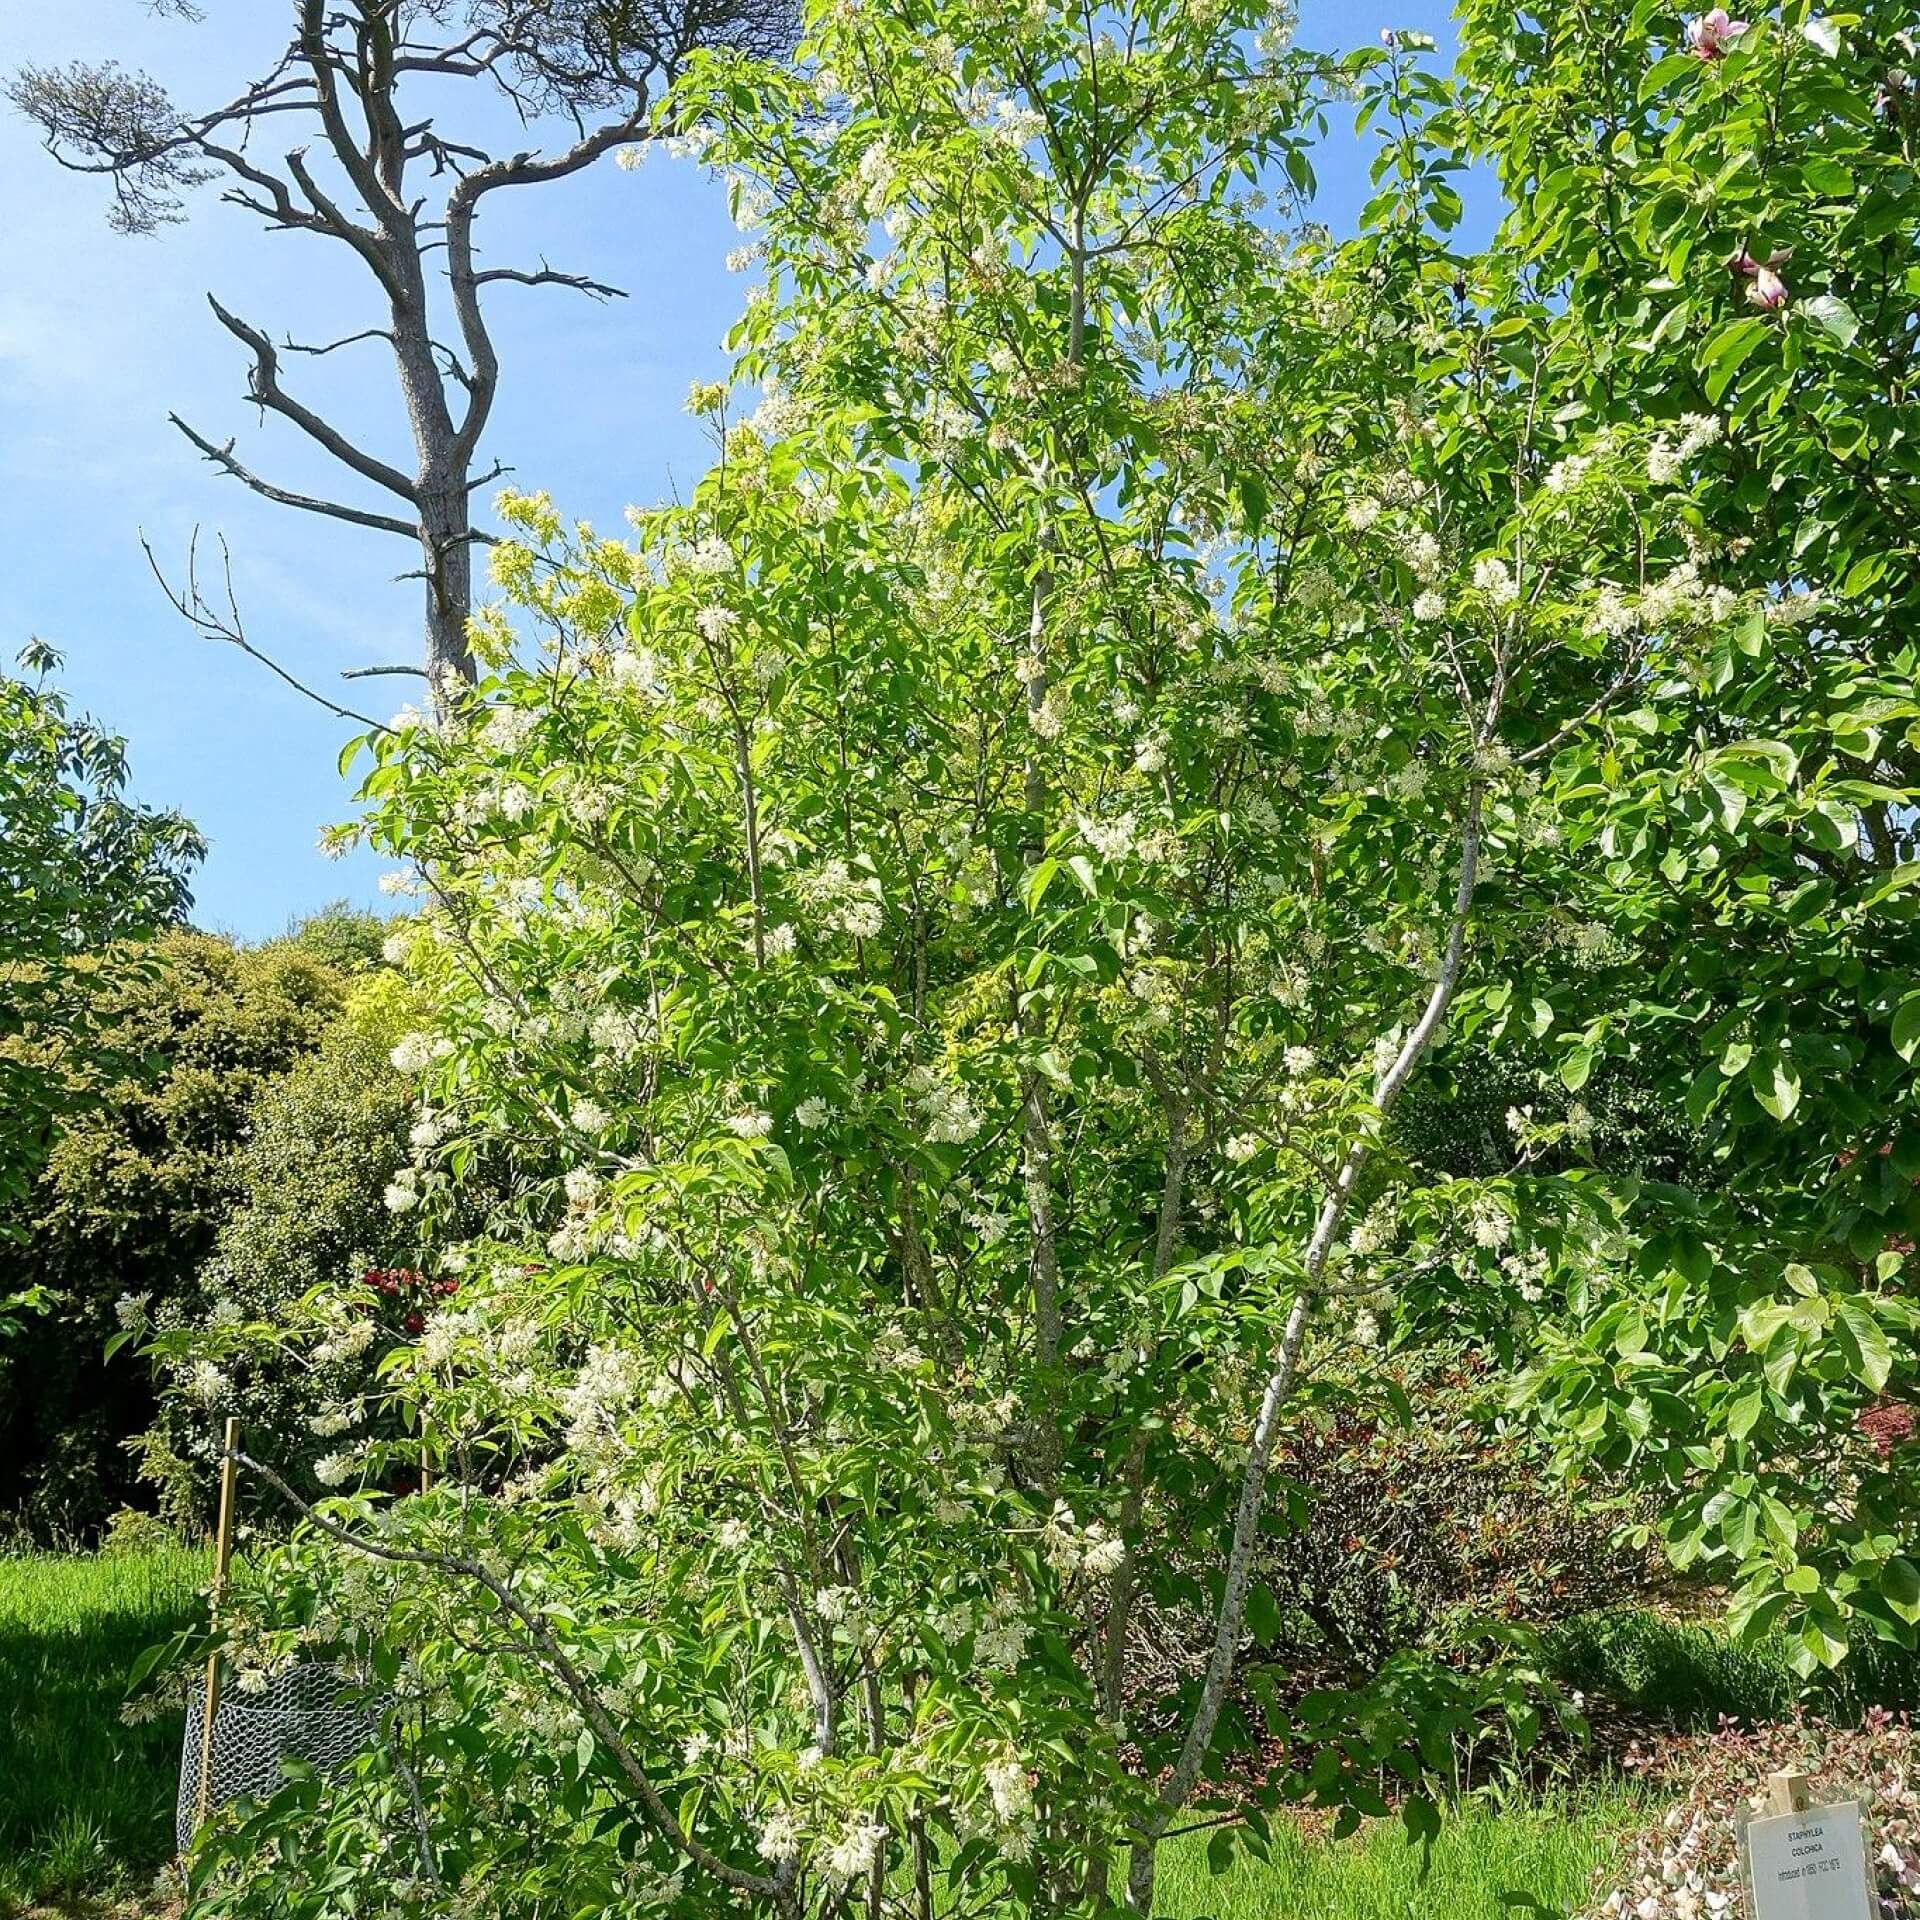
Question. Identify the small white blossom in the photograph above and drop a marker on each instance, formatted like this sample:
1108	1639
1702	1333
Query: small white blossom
780	1837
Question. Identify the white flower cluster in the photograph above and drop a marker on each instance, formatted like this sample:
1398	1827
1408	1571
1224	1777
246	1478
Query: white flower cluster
604	1388
1670	452
1000	1641
637	670
841	900
334	1469
206	1383
618	1032
853	1854
507	729
1074	1552
1490	1225
1495	579
352	1338
1010	1790
413	1053
945	1110
779	1836
1110	839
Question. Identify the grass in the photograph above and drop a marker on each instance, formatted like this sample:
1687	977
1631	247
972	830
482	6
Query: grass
86	1803
1489	1863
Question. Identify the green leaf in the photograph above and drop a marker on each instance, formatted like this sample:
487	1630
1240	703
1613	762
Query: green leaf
1727	352
1824	1639
1663	73
1906	1027
1253	501
1833	316
1900	1587
1421	1818
1575	1066
1745	1411
1864	1341
1775	1083
1038	881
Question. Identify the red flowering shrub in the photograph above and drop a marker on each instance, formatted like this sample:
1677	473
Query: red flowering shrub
411	1294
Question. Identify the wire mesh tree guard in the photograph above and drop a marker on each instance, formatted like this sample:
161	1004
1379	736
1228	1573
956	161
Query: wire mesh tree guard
309	1713
235	1743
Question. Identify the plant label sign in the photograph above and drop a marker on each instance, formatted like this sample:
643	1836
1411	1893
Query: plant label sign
1810	1865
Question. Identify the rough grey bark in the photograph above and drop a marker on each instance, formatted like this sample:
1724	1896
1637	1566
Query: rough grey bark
370	169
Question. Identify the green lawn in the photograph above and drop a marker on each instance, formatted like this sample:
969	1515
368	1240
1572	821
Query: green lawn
1489	1863
86	1803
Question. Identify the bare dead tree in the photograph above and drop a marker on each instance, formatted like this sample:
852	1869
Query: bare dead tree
372	170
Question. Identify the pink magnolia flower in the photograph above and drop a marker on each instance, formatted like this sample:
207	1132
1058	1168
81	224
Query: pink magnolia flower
1713	33
1768	290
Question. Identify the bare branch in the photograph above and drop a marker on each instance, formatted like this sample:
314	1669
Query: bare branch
223	458
263	387
548	277
193	607
290	345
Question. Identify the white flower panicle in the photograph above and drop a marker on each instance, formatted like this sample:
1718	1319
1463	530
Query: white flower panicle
853	1854
779	1837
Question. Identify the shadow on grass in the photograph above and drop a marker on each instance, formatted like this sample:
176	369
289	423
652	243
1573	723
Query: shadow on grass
87	1802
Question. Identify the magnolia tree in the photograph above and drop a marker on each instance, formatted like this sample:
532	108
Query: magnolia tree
940	924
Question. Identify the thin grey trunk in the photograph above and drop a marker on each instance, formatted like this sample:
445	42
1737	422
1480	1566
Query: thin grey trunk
1283	1371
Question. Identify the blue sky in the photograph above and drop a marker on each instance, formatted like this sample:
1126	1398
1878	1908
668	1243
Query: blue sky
102	336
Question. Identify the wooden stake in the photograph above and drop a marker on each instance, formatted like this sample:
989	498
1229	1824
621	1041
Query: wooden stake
426	1454
1788	1792
222	1558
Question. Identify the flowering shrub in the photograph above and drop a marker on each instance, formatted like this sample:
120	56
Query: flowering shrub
934	930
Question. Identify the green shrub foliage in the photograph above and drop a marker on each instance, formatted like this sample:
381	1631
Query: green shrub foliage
130	1203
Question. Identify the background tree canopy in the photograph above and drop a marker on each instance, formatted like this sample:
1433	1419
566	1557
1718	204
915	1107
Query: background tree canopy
82	867
191	1034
